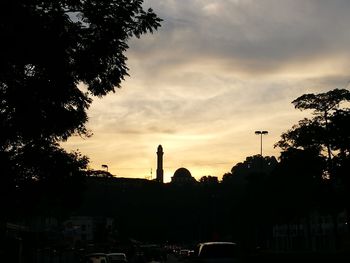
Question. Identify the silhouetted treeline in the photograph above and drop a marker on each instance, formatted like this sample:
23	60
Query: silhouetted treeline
244	206
207	210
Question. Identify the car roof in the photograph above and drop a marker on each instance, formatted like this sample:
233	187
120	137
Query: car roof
217	243
96	254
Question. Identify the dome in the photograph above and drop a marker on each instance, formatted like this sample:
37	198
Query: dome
182	173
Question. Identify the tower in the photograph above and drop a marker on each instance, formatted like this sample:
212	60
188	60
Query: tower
160	164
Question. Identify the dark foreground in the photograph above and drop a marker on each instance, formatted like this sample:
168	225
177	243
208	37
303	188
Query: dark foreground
299	257
287	258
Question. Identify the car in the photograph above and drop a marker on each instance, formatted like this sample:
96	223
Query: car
217	252
184	253
96	258
116	258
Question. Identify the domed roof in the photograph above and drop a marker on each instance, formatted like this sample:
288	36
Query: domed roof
182	173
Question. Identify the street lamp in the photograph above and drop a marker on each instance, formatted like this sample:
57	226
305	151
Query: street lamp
261	133
105	166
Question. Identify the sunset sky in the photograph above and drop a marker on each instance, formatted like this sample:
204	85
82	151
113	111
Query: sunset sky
215	72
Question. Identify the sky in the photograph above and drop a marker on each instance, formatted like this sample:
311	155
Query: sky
212	75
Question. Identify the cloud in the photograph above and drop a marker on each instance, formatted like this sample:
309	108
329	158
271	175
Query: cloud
251	36
215	72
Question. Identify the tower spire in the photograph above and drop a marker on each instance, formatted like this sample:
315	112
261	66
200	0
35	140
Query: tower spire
160	173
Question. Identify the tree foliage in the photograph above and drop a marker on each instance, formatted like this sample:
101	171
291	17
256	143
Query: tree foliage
254	165
322	103
316	149
55	57
297	181
307	134
209	180
327	131
49	47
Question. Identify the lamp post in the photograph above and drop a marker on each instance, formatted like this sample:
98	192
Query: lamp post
105	166
261	133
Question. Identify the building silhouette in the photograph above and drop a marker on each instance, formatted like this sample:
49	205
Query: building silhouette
160	172
182	176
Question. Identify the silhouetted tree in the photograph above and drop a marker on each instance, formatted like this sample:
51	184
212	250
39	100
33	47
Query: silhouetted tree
246	191
226	176
319	132
55	56
317	147
254	164
209	180
43	180
295	183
